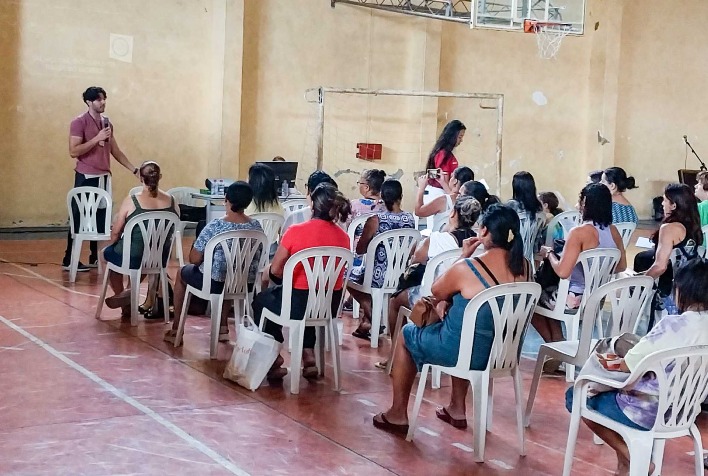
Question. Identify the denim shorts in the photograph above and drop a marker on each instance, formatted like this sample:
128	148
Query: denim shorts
604	403
192	276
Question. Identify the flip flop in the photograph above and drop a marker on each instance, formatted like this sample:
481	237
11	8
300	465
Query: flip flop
310	372
119	300
442	414
382	423
381	365
359	334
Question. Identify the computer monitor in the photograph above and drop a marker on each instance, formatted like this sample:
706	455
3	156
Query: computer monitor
283	171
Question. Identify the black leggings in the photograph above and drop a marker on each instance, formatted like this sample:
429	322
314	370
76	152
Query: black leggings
80	180
272	299
643	262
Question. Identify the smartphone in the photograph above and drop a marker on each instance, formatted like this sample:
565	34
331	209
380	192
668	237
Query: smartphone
434	173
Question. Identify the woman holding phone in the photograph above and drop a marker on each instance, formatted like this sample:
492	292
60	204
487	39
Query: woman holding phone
442	158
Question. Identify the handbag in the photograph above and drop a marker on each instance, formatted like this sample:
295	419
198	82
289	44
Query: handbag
412	276
546	276
253	355
424	313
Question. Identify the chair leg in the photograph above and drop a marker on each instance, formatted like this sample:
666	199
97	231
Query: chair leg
102	298
339	324
217	301
657	455
572	435
326	340
490	404
640	450
322	338
697	450
182	318
75	255
134	296
178	247
418	400
437	376
165	294
355	309
518	393
297	330
534	385
480	389
336	364
573	327
376	311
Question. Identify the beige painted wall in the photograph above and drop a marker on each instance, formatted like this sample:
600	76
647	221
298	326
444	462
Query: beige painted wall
166	104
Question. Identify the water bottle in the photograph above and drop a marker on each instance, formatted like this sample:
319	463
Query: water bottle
221	187
284	189
215	187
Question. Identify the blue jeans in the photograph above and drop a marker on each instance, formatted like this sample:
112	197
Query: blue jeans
604	403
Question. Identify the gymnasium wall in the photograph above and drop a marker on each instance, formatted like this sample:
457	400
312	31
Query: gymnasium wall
214	85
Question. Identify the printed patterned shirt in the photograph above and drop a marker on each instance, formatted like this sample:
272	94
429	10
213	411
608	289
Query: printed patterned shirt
622	213
218	267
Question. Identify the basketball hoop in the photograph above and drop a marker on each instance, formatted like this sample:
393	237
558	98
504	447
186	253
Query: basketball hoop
549	36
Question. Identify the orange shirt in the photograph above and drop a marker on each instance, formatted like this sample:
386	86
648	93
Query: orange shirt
311	234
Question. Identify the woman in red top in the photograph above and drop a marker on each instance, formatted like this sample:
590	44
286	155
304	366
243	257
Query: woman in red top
441	157
329	207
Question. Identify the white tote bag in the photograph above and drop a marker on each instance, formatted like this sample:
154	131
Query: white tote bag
254	354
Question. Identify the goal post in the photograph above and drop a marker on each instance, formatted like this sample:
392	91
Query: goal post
485	101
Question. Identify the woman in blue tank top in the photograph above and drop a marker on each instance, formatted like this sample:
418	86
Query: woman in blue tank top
439	343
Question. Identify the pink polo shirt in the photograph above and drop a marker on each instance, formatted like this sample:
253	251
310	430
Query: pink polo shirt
96	161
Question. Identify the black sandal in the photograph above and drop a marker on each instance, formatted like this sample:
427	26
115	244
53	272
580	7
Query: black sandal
359	334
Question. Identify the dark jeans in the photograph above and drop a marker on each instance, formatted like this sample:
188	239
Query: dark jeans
80	180
272	299
643	262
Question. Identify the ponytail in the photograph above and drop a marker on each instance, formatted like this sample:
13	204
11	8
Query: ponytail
329	204
150	175
504	226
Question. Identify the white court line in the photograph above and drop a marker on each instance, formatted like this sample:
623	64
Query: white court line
47	280
193	442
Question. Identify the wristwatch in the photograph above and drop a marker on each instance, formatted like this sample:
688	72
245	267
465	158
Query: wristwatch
135	170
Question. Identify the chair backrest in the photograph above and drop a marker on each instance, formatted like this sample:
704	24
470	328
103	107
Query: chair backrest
183	196
703	249
157	232
625	230
682	377
567	220
293	218
398	245
135	190
294	204
530	226
627	297
271	223
323	266
679	256
440	224
435	267
356	223
512	306
598	267
241	248
88	200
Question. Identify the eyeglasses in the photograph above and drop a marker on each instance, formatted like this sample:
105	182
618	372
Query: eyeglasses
362	183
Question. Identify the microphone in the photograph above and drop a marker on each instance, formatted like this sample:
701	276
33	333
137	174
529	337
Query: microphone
106	123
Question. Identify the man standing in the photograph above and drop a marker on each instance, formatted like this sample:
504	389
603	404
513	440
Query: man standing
91	143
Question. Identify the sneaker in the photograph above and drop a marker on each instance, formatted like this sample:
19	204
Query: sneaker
93	262
66	266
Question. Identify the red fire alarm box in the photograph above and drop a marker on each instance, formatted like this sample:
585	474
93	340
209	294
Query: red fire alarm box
369	151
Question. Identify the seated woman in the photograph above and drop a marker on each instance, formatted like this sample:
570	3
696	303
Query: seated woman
149	199
680	229
392	219
525	202
615	178
596	231
463	217
478	191
329	207
440	206
551	208
237	197
370	189
439	344
637	407
702	196
261	178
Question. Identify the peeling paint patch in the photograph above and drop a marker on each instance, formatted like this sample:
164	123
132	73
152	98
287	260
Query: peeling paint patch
539	98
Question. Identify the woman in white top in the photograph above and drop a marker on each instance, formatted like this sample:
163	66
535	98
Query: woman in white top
439	207
261	178
463	217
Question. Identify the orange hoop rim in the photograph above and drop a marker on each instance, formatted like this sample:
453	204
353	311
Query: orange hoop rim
533	26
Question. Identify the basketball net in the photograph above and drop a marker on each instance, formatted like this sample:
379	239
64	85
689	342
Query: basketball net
549	37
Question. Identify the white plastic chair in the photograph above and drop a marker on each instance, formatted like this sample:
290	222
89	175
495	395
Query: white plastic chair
398	246
87	200
512	307
135	190
240	249
703	249
183	196
293	218
626	229
567	220
598	266
294	204
323	266
434	268
271	223
529	229
682	376
628	298
157	231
